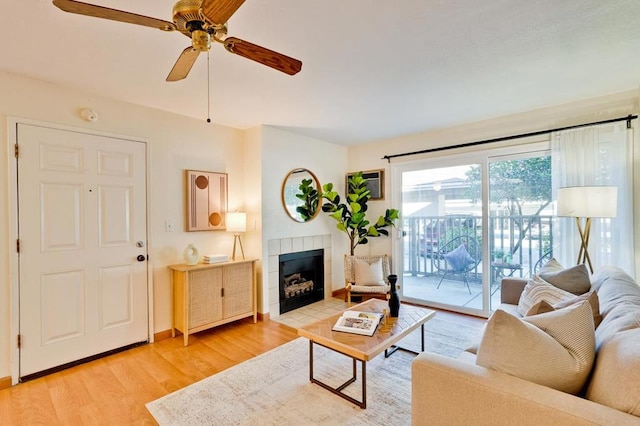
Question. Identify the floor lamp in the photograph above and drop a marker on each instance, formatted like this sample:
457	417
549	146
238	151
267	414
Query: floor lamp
587	202
236	223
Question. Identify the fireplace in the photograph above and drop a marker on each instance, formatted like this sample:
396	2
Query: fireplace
301	279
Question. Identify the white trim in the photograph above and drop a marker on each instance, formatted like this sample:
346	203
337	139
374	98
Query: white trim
14	291
14	314
150	259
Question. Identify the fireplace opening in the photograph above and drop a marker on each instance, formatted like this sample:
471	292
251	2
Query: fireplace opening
301	279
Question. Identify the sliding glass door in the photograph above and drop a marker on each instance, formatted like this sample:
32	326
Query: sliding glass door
520	217
442	223
468	222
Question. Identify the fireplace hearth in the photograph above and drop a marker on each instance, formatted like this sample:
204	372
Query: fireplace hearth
301	279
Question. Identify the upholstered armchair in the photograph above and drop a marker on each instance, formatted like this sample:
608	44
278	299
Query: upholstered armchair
366	276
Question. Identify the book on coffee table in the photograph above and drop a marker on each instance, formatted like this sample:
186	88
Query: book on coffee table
358	322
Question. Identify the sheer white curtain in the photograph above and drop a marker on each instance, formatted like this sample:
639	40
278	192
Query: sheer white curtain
596	155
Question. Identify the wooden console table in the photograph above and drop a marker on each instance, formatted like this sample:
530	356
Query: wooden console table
208	295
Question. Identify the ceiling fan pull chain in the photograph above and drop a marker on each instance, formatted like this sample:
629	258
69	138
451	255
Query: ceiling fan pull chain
208	89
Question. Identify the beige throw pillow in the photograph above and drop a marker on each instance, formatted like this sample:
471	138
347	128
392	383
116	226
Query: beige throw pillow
537	290
551	266
592	298
368	274
574	280
554	349
543	306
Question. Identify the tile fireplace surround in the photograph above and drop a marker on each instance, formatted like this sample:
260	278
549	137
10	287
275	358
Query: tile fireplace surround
280	246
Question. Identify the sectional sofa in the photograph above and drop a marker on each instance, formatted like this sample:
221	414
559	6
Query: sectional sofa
448	391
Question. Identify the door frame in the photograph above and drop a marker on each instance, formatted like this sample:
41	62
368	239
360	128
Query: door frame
14	271
446	159
443	160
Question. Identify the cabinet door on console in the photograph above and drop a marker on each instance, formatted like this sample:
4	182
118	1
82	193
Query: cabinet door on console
204	299
238	289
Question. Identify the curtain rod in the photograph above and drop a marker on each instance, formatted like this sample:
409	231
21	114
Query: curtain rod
628	119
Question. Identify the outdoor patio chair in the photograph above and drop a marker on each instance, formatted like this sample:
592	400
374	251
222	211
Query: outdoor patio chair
546	257
366	276
459	256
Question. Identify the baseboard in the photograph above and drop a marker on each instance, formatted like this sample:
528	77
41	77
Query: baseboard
161	335
5	382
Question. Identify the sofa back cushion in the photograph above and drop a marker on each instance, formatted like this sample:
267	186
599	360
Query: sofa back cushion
615	381
616	374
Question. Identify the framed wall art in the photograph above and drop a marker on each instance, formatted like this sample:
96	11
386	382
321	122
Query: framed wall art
206	200
375	183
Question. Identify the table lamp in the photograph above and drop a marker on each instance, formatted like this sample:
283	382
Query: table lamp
587	202
236	223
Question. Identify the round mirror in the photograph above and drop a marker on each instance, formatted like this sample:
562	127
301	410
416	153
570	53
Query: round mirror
301	195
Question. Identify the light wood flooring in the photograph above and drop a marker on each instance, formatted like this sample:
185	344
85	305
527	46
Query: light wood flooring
114	390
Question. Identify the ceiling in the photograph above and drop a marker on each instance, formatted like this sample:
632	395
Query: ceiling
371	69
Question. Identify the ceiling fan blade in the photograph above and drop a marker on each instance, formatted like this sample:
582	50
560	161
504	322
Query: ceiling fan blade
219	11
112	14
183	65
263	55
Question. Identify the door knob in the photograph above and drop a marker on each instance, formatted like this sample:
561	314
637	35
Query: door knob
141	258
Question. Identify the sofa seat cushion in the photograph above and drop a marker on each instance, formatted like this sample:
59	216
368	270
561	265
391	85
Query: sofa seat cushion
554	349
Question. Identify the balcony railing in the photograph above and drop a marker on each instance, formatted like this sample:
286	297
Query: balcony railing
521	241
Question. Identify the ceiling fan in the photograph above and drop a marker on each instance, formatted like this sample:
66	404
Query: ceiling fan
201	21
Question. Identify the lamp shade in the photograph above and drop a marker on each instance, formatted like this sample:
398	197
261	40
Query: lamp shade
588	201
236	222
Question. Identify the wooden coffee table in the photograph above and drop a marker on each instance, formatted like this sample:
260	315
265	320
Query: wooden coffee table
363	348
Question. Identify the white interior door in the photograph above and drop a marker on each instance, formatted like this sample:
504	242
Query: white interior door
82	227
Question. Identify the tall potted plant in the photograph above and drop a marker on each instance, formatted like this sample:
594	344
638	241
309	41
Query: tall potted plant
351	214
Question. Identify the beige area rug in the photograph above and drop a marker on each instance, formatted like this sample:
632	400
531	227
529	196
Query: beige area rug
274	388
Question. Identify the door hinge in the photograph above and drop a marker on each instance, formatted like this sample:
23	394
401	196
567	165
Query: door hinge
19	341
18	246
16	150
222	292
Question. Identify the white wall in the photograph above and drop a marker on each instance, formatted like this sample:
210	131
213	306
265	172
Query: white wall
177	143
252	239
282	152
